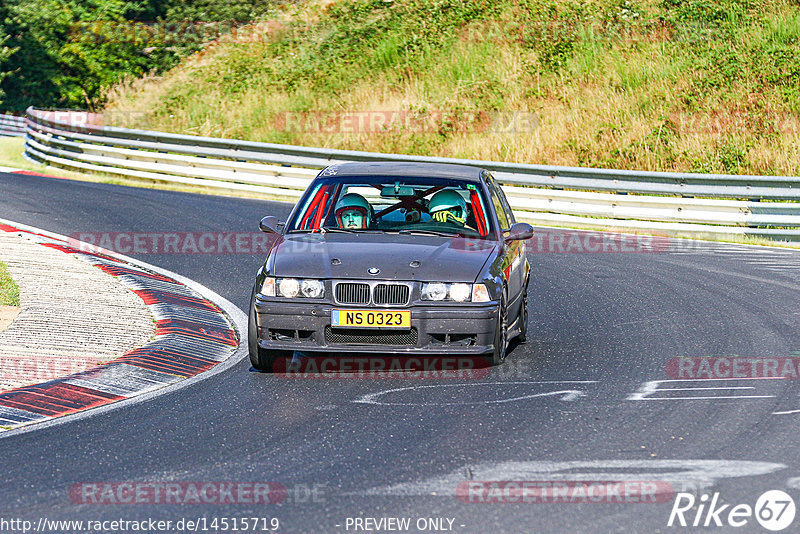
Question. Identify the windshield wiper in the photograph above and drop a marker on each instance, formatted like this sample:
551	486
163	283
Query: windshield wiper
427	232
325	230
354	230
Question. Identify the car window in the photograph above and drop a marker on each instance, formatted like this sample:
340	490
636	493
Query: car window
507	207
498	206
504	212
318	203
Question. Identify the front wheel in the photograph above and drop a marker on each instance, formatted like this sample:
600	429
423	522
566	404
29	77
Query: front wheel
260	359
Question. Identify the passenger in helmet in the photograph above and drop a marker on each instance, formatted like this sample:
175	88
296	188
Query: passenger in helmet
447	206
353	212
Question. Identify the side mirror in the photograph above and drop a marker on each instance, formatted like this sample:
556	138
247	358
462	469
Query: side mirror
518	232
270	225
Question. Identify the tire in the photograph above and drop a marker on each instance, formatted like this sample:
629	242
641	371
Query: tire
260	359
500	334
523	317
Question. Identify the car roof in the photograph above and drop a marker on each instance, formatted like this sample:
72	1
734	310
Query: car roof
405	168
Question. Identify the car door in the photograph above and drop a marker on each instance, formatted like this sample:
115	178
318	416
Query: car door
514	261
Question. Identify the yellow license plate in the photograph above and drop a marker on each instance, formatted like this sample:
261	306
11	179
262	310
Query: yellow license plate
371	318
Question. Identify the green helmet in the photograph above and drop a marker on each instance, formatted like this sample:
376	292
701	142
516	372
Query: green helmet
353	211
448	205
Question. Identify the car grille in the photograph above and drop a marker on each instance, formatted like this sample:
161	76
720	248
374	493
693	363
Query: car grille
354	336
351	293
382	294
390	294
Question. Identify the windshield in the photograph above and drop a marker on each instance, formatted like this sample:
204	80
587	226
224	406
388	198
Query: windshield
390	204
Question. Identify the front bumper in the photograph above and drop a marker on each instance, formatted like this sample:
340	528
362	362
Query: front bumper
442	329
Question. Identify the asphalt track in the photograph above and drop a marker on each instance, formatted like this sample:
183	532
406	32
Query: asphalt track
563	407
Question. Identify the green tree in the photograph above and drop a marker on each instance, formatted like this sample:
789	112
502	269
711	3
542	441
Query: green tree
67	53
5	54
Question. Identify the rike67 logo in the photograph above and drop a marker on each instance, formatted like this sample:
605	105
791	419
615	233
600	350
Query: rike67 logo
774	510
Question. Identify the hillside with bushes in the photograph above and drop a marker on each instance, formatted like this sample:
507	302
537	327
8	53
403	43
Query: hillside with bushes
67	53
675	85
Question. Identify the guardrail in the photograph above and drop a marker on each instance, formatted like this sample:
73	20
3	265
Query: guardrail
672	203
12	126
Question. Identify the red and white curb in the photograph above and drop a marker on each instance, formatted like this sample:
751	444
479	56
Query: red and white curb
197	335
14	170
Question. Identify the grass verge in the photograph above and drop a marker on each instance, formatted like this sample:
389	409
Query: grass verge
9	291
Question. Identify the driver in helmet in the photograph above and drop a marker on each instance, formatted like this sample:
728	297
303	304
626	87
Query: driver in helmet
353	212
447	206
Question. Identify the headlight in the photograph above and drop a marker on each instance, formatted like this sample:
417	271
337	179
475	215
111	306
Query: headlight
434	291
312	289
459	292
292	287
289	287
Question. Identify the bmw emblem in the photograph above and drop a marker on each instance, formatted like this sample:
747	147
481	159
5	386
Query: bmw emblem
373	270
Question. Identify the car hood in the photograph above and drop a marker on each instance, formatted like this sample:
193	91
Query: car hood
399	257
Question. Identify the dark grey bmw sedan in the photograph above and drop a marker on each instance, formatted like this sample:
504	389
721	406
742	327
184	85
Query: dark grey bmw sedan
396	258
